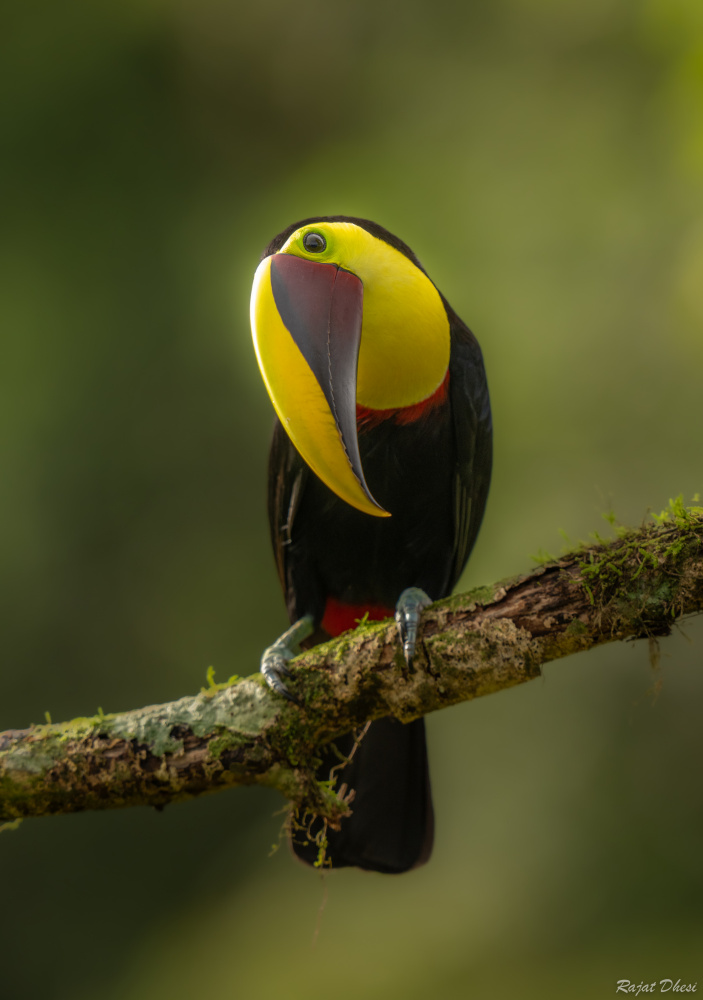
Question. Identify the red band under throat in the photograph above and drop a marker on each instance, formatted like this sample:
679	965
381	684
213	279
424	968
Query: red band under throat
366	417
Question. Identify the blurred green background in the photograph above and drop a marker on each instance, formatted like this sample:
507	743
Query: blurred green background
545	160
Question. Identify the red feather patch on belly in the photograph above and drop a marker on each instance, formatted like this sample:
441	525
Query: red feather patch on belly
340	617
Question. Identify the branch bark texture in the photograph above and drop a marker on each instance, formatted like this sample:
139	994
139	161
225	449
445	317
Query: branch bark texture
241	733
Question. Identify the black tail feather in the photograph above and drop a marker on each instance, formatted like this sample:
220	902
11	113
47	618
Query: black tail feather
391	828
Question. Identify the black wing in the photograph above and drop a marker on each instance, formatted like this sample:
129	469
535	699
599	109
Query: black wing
473	435
287	475
288	479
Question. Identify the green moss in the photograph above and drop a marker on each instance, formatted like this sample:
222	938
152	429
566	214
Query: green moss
224	741
213	687
679	514
542	557
637	578
478	596
338	650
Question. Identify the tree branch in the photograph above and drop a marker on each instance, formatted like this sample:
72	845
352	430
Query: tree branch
241	733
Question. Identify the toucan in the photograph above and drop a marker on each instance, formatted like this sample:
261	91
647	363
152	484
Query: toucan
378	477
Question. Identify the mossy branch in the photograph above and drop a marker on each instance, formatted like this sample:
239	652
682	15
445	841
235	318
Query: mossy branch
241	733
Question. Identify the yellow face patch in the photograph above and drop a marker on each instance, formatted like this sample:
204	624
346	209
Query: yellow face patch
404	353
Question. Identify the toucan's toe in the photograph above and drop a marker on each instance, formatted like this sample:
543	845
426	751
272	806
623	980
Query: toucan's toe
274	661
273	666
409	607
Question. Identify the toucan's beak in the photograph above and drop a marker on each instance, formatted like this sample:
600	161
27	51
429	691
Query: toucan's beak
306	321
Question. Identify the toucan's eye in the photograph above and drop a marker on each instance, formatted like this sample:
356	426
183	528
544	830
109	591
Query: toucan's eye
314	242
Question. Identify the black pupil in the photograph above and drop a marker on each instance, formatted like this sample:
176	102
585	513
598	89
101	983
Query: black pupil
314	243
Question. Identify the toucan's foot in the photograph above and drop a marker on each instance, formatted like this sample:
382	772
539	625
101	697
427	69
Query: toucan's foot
274	662
411	603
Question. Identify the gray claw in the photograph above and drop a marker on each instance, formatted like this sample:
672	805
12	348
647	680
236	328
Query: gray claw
272	667
411	603
274	661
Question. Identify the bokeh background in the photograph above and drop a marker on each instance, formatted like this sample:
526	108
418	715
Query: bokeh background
545	160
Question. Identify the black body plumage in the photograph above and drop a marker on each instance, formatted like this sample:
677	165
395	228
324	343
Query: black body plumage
433	474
